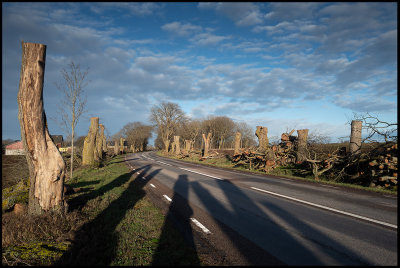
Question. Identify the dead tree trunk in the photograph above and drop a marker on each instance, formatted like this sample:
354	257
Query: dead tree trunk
263	142
355	138
237	142
188	145
101	142
116	147
206	144
98	155
121	145
176	145
89	145
45	163
302	135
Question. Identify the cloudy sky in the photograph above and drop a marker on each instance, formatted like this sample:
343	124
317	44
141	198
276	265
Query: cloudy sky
279	65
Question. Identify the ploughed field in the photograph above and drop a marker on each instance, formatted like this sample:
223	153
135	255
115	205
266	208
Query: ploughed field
14	168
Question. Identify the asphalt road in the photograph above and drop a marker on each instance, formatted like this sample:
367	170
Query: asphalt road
264	220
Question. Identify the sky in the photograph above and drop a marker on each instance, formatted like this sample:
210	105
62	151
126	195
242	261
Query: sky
280	65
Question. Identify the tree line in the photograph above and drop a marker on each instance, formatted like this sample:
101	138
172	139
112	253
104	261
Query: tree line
169	120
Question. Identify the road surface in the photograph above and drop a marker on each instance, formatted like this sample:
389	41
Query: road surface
265	220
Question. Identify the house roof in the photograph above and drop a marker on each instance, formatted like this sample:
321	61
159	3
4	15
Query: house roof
57	138
15	145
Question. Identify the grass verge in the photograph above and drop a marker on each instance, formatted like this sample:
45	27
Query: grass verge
110	222
287	172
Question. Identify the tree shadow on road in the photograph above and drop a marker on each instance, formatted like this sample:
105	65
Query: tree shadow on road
170	252
263	228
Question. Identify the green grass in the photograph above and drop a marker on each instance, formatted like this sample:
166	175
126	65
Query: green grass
111	222
288	172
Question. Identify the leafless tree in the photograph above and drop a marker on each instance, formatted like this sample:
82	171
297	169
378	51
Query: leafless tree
73	102
137	135
247	134
166	118
375	129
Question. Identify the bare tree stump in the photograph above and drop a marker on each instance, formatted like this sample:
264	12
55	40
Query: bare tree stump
188	146
98	155
302	135
116	147
89	145
238	135
176	145
263	143
102	141
206	144
121	145
355	138
45	163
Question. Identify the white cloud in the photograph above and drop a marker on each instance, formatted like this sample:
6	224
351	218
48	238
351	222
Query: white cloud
207	39
181	29
242	13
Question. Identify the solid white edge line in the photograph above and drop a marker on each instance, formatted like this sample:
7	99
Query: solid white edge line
328	208
167	197
152	185
201	226
202	174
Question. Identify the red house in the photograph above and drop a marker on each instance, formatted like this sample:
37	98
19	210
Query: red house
15	148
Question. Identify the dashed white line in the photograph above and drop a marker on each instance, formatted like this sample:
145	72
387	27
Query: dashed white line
328	208
202	174
164	163
167	197
201	226
152	185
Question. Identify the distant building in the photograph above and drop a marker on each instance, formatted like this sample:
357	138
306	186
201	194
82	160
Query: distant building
58	140
15	148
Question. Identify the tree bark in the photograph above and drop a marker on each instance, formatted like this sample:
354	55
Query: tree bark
206	144
45	163
355	138
237	142
302	135
177	145
263	142
166	144
121	145
188	145
99	141
89	145
116	147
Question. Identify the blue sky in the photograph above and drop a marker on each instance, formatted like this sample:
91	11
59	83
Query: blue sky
280	65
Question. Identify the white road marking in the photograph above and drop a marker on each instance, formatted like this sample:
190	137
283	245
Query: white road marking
328	208
164	163
202	174
167	197
201	226
152	185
